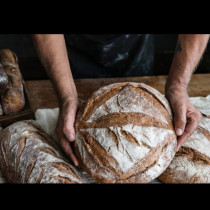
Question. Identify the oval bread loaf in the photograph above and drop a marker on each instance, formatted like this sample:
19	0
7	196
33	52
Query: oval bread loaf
3	79
12	97
191	163
1	112
28	155
3	85
124	134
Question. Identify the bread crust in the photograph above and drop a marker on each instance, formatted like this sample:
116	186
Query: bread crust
12	96
1	111
191	163
125	134
29	155
3	79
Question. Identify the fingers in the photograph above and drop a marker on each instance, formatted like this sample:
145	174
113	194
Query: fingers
186	116
68	150
68	128
68	119
65	129
180	120
65	144
192	122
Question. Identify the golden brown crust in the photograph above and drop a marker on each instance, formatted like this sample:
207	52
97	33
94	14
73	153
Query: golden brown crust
99	100
120	119
1	111
204	131
3	79
94	158
98	169
12	98
28	155
193	155
191	163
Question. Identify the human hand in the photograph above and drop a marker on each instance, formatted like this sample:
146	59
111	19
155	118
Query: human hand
65	127
186	116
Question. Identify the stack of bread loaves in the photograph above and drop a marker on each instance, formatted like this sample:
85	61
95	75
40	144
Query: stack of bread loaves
125	134
12	98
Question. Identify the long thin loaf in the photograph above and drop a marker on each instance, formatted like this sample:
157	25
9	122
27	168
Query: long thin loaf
28	155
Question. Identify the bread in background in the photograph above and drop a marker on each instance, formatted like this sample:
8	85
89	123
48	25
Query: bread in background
12	95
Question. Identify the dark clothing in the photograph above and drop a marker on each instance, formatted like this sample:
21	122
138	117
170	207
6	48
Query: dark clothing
110	55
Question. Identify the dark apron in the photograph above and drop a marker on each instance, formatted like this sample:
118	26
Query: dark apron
110	55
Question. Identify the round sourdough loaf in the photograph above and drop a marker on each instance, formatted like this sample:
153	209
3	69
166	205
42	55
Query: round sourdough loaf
124	134
191	163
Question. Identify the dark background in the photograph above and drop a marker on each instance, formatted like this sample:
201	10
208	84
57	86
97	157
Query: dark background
32	69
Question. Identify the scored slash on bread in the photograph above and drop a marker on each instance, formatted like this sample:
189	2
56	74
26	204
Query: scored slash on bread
125	134
191	163
29	155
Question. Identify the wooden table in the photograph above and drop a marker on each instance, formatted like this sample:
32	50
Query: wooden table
42	93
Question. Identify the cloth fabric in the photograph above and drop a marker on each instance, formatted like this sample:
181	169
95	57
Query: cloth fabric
47	119
110	55
202	104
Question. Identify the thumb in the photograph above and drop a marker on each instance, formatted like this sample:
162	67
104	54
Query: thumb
68	125
68	128
180	121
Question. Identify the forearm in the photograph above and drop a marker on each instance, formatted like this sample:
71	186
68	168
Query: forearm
53	55
189	51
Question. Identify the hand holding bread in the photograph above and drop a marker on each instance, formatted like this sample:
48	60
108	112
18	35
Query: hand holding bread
185	116
65	128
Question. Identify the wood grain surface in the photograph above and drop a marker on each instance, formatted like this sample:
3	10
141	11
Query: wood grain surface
42	93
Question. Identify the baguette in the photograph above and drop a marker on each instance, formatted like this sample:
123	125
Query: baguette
12	96
28	155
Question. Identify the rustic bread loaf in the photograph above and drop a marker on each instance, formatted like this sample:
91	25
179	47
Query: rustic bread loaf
3	84
3	79
1	111
191	163
124	134
2	179
12	96
28	155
